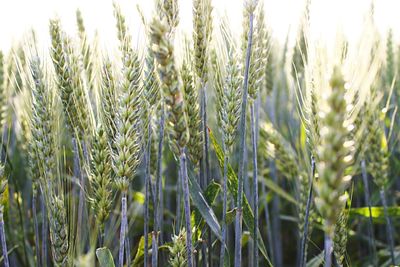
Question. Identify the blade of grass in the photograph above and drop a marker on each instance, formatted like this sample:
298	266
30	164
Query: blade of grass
200	202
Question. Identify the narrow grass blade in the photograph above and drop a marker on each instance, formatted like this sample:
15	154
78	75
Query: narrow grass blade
200	202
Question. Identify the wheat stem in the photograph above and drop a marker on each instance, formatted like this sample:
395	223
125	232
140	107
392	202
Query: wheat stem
205	162
157	207
147	197
268	223
389	227
255	182
159	215
224	209
178	202
367	198
186	200
304	239
35	226
328	246
124	222
78	177
127	245
238	225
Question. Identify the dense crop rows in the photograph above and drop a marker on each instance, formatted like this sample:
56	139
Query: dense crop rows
212	149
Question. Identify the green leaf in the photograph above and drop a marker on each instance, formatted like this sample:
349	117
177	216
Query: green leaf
279	191
377	213
248	216
202	206
139	257
210	195
105	258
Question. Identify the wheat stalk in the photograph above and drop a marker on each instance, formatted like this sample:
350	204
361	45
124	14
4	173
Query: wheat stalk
228	106
127	143
249	15
176	113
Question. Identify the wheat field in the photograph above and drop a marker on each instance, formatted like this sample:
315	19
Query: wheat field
221	147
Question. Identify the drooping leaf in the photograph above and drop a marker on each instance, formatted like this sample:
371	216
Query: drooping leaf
105	257
248	215
210	195
202	206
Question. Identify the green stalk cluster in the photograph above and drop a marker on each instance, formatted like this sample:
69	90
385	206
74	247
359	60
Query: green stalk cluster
232	104
191	98
42	125
202	30
300	51
109	101
378	154
304	189
151	93
81	101
73	93
128	136
44	154
58	230
334	155
276	147
259	54
86	51
340	237
177	251
218	81
63	72
100	176
313	123
177	125
170	10
125	39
